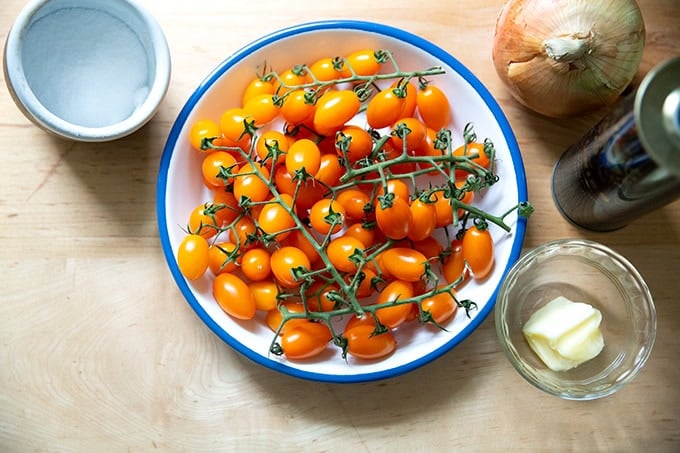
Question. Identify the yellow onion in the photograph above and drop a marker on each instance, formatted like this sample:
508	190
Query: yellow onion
564	57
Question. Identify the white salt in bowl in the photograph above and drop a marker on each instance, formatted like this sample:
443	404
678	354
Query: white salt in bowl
87	70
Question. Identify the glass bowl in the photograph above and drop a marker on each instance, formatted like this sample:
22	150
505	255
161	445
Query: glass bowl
582	271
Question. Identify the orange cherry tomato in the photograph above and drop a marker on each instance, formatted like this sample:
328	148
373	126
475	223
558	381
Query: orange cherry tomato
410	131
430	247
274	317
262	109
229	208
305	340
290	79
214	168
248	184
384	108
204	220
433	107
478	251
255	264
257	87
298	240
410	100
221	257
353	142
334	109
327	216
424	220
201	129
265	293
233	296
443	211
364	62
394	315
327	69
242	231
363	344
476	153
330	170
396	186
269	143
192	256
354	201
404	263
441	307
365	288
340	250
359	231
233	123
304	153
317	297
283	263
297	107
394	221
454	268
275	219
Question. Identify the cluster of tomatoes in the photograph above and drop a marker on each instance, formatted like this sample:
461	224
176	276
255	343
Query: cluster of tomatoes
316	219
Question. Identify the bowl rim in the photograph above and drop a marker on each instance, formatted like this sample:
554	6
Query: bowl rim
362	26
514	357
35	111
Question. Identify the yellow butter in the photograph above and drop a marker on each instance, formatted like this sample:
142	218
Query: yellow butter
565	334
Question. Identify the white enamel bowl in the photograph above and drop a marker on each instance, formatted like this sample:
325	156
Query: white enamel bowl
180	189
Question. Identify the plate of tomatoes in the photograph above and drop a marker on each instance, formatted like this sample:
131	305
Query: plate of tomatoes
340	200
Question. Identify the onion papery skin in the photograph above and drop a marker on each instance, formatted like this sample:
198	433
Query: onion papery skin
526	49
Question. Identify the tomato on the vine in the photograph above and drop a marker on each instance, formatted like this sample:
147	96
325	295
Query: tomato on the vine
395	315
362	343
192	256
364	62
396	186
214	167
478	251
424	220
476	153
395	220
257	87
409	132
433	107
290	78
204	220
285	261
275	218
262	109
441	307
305	340
233	123
330	170
268	144
384	108
304	153
354	143
222	258
405	264
340	251
297	107
334	109
233	296
453	267
201	129
327	216
327	69
265	293
297	239
256	264
249	184
354	201
365	234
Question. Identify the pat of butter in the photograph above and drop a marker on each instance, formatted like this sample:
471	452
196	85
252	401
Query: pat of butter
565	334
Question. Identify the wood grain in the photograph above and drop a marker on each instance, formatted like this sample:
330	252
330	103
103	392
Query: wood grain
99	351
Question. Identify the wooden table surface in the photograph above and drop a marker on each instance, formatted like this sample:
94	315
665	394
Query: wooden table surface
100	352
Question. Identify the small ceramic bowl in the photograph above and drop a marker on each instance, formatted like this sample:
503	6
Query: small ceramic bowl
87	70
582	271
